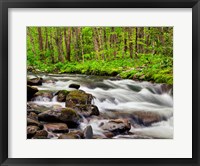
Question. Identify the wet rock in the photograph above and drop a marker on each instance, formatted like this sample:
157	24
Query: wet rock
132	137
109	134
45	94
73	134
41	134
78	97
48	81
56	127
88	132
35	81
32	107
33	116
30	92
99	137
31	130
66	115
33	122
116	126
62	95
76	86
165	88
134	87
87	110
146	118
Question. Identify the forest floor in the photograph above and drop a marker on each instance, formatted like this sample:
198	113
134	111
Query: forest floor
154	68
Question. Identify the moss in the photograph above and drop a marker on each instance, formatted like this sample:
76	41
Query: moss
69	111
78	97
62	95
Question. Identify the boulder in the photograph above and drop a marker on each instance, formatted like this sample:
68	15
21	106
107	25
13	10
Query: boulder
75	134
66	115
87	109
62	95
88	132
41	134
116	126
146	118
43	94
30	92
78	97
33	122
40	108
75	86
56	127
34	81
31	130
33	116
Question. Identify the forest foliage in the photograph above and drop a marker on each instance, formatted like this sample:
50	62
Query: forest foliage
142	53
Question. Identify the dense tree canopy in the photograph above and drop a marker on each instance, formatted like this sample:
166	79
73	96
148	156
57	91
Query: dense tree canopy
56	48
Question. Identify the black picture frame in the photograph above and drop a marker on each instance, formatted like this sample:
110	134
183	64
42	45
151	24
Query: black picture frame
4	68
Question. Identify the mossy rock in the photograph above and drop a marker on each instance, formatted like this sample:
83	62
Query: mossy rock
78	97
45	94
62	95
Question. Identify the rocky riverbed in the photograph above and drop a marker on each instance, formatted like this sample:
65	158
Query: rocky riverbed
89	107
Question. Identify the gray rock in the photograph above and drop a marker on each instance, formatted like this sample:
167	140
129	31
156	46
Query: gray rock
88	132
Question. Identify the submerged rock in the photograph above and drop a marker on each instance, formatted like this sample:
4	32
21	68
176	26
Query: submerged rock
76	86
56	127
146	118
30	92
116	126
66	115
35	81
78	97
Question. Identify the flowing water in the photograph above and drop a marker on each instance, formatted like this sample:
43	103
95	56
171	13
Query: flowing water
118	98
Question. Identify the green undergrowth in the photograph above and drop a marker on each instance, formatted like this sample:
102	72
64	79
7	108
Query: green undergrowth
155	68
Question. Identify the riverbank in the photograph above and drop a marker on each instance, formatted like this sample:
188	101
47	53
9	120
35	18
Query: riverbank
153	68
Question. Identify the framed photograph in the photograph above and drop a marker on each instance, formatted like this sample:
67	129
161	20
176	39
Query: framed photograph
99	83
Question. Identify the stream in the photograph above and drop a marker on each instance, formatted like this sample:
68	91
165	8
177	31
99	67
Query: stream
117	98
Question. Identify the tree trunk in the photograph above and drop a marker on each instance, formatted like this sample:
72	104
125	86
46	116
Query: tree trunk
40	39
131	42
59	44
95	41
136	40
46	42
31	40
67	42
113	42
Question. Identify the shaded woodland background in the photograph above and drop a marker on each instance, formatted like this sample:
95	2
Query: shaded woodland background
142	53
